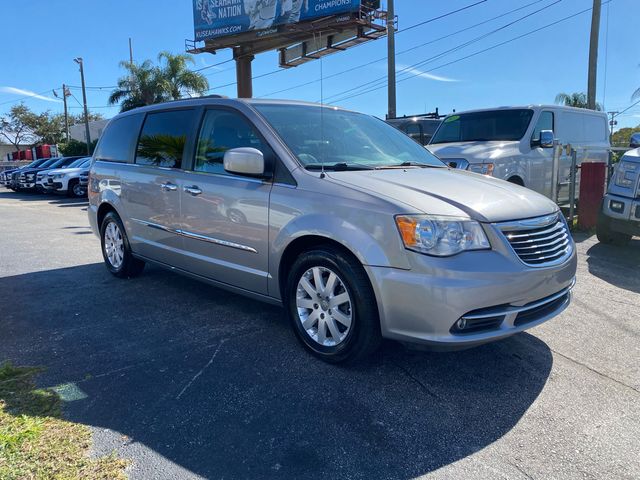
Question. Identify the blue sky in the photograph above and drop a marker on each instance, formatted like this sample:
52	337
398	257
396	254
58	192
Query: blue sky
41	38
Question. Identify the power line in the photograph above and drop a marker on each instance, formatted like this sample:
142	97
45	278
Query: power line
439	17
342	72
476	53
408	69
384	58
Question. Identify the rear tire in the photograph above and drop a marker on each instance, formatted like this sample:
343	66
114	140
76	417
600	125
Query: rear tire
116	250
608	236
334	312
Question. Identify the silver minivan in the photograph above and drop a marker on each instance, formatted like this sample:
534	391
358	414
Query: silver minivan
355	229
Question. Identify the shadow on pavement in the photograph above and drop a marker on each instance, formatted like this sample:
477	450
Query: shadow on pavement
51	198
617	265
218	384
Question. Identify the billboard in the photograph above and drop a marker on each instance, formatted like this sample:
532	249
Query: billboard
219	18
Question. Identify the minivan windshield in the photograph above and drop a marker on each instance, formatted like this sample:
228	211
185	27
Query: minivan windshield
329	137
505	125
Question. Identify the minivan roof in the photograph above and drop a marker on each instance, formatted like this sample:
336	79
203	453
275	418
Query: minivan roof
217	100
535	107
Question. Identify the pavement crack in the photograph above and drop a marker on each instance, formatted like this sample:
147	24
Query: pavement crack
595	371
415	379
213	357
521	470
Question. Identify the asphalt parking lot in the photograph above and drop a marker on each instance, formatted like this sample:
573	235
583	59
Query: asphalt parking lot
189	381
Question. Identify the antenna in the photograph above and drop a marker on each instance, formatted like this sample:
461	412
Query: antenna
322	174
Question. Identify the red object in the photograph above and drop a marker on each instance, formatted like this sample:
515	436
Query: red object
28	155
43	151
21	155
592	187
15	155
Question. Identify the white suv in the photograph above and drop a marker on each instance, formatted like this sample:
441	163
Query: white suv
66	180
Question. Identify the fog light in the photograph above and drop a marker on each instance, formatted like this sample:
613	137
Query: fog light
461	324
616	206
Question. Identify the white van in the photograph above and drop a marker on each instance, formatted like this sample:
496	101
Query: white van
515	143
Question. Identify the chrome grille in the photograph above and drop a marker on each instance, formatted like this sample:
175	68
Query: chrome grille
539	241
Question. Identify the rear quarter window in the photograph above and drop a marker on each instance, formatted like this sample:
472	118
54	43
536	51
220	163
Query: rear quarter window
118	142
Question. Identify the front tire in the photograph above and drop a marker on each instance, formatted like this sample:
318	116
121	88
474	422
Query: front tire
116	250
331	306
75	190
608	236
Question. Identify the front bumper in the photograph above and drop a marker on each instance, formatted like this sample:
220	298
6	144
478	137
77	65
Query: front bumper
422	305
625	219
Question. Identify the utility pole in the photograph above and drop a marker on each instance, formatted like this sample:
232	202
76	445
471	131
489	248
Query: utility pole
593	54
66	113
84	100
612	123
130	52
391	59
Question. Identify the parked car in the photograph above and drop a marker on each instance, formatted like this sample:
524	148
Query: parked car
619	219
358	236
516	143
65	180
419	127
28	177
634	141
5	176
14	180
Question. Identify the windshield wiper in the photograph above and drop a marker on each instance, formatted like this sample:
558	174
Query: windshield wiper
338	167
409	164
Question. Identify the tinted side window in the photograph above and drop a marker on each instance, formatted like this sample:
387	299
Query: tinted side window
545	122
414	131
163	138
222	130
119	139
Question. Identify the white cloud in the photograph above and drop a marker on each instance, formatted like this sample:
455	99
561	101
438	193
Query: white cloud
429	76
27	93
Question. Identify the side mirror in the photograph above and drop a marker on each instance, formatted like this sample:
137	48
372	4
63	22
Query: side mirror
546	139
244	161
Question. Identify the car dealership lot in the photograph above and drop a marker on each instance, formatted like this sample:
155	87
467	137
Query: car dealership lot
190	381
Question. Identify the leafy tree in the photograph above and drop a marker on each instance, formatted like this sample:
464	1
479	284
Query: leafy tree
146	83
622	137
16	127
576	99
79	118
178	79
142	86
74	147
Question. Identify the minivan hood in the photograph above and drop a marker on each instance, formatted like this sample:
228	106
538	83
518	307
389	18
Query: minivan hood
447	191
474	152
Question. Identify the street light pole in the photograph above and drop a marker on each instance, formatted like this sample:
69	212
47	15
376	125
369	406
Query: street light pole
84	101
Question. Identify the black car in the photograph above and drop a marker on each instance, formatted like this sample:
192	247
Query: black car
27	178
5	176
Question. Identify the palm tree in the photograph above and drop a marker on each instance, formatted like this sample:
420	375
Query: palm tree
143	86
576	99
178	79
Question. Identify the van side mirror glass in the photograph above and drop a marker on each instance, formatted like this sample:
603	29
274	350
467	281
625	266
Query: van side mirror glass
546	139
244	161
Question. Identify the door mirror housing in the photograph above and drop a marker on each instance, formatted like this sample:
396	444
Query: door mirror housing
244	161
546	139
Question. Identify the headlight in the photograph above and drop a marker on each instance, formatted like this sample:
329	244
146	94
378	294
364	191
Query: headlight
626	174
58	175
483	168
441	236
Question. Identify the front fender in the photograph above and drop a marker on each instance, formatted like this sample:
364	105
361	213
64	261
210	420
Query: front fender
373	241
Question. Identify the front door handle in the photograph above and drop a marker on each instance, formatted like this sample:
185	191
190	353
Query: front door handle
193	190
168	187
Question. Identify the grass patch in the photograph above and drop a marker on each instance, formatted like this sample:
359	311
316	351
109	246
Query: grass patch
36	443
